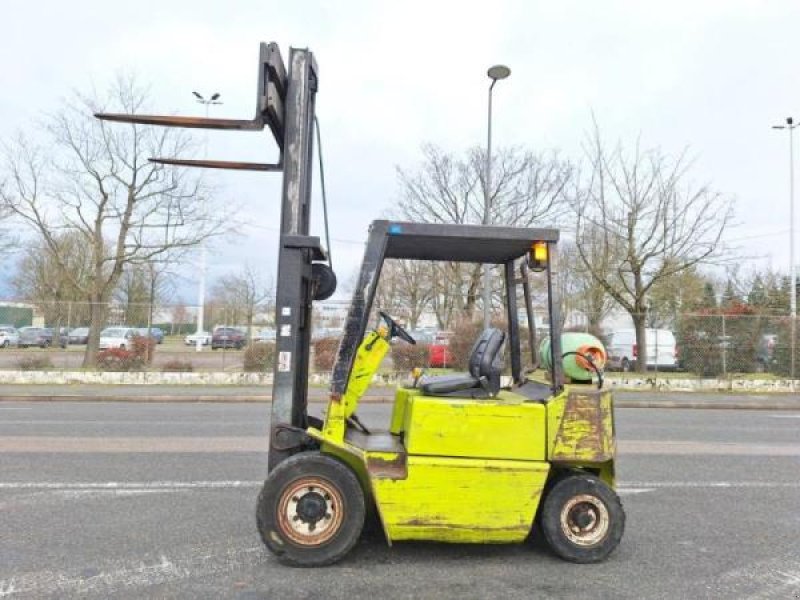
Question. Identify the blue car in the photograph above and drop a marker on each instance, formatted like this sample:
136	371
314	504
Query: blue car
155	333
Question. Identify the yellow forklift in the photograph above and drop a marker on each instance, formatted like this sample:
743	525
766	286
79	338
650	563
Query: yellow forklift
463	459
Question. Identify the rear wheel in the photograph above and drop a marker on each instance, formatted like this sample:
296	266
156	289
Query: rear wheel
6	343
582	519
311	510
626	365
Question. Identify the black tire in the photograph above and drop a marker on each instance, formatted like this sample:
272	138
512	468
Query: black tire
325	484
122	346
582	519
626	365
6	343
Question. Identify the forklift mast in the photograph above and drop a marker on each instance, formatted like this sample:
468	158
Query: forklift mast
285	103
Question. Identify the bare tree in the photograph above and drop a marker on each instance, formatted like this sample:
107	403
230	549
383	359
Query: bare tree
404	289
141	288
527	191
578	291
39	279
179	317
681	292
93	179
240	295
639	221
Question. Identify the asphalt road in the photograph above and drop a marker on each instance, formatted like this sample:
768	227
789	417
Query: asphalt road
157	500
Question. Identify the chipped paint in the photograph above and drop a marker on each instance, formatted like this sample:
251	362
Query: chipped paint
505	427
462	500
584	431
387	465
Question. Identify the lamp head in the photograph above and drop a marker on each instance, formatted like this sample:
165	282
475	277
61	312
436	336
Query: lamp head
498	72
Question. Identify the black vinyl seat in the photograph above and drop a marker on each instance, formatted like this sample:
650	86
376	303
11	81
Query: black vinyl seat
483	379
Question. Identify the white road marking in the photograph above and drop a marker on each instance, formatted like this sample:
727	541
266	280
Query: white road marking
772	579
784	416
123	485
626	487
710	484
215	423
131	574
625	491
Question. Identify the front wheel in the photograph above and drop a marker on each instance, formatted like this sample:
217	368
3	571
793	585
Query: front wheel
626	365
310	512
582	519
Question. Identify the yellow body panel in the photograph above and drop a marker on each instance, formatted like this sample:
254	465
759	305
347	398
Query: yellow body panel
401	399
461	500
505	427
465	470
368	358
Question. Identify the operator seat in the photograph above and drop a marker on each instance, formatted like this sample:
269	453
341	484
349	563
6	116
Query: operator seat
483	379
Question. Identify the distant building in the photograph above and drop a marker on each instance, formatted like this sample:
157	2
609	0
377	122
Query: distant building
19	314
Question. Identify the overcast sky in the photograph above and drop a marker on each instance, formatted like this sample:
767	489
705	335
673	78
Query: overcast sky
710	76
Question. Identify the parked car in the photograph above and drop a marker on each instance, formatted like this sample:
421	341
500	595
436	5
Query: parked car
117	337
79	335
662	350
39	336
9	336
156	333
191	339
227	337
439	355
265	335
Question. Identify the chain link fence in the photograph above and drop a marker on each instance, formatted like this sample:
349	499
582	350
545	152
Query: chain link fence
697	345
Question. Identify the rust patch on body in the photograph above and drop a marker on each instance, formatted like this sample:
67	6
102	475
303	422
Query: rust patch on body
586	432
387	468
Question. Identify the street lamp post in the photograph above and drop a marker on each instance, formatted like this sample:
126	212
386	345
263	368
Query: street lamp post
201	294
495	73
790	127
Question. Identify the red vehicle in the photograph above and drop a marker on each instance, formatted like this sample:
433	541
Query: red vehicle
439	353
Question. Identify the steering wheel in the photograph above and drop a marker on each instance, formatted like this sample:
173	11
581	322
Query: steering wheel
395	330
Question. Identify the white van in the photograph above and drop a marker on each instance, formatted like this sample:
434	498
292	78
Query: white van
662	351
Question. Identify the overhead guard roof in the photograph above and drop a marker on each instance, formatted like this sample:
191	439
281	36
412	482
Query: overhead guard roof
460	243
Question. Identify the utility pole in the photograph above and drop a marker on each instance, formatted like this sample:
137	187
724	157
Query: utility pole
201	294
790	127
495	73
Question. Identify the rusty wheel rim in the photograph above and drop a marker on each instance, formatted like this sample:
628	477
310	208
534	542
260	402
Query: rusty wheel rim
584	520
310	511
